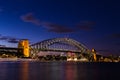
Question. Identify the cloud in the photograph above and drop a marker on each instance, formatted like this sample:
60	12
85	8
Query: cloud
51	27
13	40
10	39
29	17
85	25
115	36
2	45
57	28
3	37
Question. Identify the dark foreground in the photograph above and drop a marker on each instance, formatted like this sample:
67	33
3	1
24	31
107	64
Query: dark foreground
27	70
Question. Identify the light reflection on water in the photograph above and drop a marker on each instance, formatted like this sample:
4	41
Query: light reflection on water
58	71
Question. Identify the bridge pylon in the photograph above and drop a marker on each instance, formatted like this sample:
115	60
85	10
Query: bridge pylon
94	55
24	44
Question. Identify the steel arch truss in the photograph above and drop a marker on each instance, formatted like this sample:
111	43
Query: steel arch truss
47	45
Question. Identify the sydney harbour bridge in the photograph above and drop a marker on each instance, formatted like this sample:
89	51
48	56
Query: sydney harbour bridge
61	45
54	45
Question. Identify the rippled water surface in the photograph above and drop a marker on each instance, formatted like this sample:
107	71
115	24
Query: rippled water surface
59	71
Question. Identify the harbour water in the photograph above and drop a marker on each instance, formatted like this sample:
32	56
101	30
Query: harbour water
35	70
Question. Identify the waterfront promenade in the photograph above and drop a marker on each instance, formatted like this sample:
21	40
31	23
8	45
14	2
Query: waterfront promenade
16	59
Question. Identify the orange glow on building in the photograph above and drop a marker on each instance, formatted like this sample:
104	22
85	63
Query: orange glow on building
25	45
94	54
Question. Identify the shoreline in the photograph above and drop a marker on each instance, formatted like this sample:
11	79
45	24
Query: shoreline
16	59
36	60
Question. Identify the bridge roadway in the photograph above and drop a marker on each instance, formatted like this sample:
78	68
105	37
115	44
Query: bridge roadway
11	50
57	50
19	51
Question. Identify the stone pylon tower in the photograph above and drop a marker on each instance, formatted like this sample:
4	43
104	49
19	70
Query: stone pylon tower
94	55
24	44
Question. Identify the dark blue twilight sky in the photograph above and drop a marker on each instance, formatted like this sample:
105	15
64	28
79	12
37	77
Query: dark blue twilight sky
95	23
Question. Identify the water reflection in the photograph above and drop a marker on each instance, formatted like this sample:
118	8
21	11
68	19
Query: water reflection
58	71
71	72
3	71
24	71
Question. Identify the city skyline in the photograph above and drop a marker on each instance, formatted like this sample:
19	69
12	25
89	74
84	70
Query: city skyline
91	22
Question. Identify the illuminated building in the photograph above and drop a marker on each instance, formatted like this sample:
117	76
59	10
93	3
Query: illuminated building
24	44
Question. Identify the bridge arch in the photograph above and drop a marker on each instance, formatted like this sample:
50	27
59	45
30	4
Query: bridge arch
45	45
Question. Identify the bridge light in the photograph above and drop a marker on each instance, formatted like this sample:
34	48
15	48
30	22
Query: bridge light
75	59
